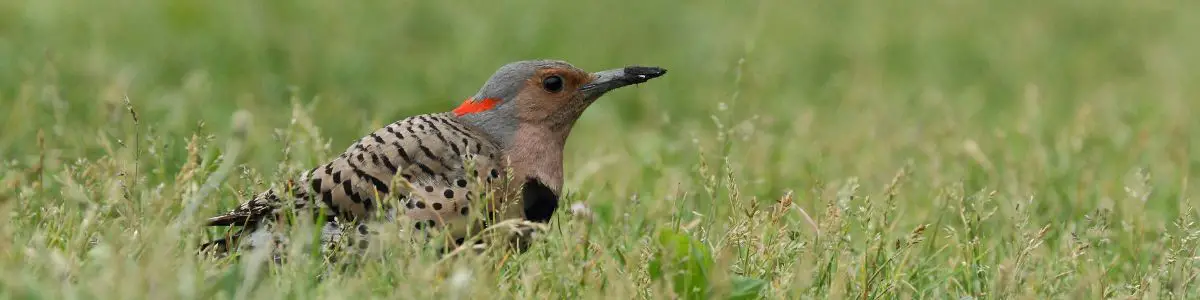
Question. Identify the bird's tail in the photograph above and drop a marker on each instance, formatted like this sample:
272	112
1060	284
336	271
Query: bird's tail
222	246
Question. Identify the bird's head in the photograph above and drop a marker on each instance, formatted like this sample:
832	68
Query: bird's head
546	96
528	108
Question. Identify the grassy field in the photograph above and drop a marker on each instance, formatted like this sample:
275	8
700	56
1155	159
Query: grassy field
797	149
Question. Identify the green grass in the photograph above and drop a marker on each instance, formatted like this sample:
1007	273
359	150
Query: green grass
822	149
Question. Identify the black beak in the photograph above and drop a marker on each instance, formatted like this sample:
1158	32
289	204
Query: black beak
605	81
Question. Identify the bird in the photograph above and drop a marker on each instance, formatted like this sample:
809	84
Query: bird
508	138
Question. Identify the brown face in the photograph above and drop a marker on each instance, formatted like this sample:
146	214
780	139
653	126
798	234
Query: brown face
529	107
551	96
542	96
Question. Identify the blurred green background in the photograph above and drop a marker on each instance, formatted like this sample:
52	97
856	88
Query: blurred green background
878	76
1071	103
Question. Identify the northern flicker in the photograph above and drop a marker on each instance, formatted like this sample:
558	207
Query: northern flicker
425	167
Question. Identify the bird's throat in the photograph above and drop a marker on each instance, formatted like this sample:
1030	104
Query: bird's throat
537	152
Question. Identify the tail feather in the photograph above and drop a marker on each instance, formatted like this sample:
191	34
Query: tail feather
222	246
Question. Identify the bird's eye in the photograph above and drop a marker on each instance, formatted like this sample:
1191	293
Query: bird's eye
552	84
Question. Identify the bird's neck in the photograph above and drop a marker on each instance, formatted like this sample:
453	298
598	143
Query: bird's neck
534	153
533	150
537	152
495	122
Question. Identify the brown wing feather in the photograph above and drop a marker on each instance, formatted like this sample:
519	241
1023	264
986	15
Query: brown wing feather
428	151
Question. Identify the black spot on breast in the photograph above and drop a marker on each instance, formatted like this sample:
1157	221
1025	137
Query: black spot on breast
437	206
363	244
362	229
461	183
538	201
421	204
464	210
337	177
448	193
495	173
428	189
